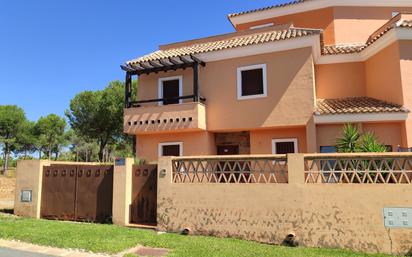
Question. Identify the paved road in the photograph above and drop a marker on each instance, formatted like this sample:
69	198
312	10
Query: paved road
7	252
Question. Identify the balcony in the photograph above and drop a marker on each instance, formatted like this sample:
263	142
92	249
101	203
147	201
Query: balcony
190	116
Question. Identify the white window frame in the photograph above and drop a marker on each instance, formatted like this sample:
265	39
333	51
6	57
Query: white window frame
160	87
160	147
283	140
262	26
239	81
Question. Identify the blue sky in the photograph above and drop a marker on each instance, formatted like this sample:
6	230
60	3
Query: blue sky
50	50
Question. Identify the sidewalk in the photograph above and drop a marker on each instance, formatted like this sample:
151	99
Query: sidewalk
15	245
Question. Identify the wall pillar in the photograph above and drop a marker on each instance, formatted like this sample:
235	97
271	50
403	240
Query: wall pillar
164	182
296	168
122	191
29	175
311	141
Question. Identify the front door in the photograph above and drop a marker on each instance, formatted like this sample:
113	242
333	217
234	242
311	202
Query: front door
227	167
144	195
227	150
171	91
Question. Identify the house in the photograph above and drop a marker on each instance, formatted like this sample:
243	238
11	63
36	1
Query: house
285	81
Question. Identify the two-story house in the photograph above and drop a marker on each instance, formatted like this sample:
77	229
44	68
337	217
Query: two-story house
285	81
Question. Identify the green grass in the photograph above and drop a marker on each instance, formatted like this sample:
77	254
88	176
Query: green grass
113	239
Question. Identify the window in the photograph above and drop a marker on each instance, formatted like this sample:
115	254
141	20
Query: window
394	14
328	149
170	88
171	149
284	146
251	82
389	148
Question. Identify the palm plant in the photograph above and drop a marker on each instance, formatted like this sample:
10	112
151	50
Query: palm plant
369	143
349	142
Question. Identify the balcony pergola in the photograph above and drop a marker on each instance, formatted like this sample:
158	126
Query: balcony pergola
162	65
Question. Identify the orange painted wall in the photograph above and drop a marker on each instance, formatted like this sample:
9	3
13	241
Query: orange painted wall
405	50
194	143
340	24
148	84
340	80
387	133
383	79
261	140
356	24
326	134
318	19
290	80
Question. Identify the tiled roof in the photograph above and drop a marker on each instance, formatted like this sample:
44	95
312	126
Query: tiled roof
405	24
233	42
342	49
396	22
355	105
267	8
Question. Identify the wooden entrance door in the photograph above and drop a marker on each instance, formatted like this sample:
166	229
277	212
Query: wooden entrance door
144	195
77	192
227	150
227	167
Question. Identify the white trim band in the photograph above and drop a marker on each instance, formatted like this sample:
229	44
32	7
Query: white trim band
361	117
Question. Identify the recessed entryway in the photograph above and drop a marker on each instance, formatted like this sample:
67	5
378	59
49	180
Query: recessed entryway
232	143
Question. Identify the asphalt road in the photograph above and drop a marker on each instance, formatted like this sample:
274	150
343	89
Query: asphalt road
6	252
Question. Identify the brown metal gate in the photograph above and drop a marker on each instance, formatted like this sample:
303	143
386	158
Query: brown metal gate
77	192
144	195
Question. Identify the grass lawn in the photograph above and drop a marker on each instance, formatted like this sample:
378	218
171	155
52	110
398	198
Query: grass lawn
113	239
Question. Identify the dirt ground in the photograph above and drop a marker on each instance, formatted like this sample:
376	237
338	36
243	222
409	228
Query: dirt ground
7	188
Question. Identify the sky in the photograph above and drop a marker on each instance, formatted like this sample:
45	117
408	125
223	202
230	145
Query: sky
50	50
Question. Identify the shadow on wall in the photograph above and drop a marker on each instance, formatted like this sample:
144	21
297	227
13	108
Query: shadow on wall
7	211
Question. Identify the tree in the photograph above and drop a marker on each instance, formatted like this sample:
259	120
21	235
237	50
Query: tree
352	141
27	140
98	115
12	124
51	133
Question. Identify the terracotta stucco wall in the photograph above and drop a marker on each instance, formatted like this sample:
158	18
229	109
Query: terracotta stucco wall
194	143
405	49
321	215
148	84
261	140
341	24
340	80
318	19
383	75
356	24
290	80
389	133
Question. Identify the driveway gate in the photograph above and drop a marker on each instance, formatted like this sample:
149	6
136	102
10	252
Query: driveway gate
144	195
77	192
